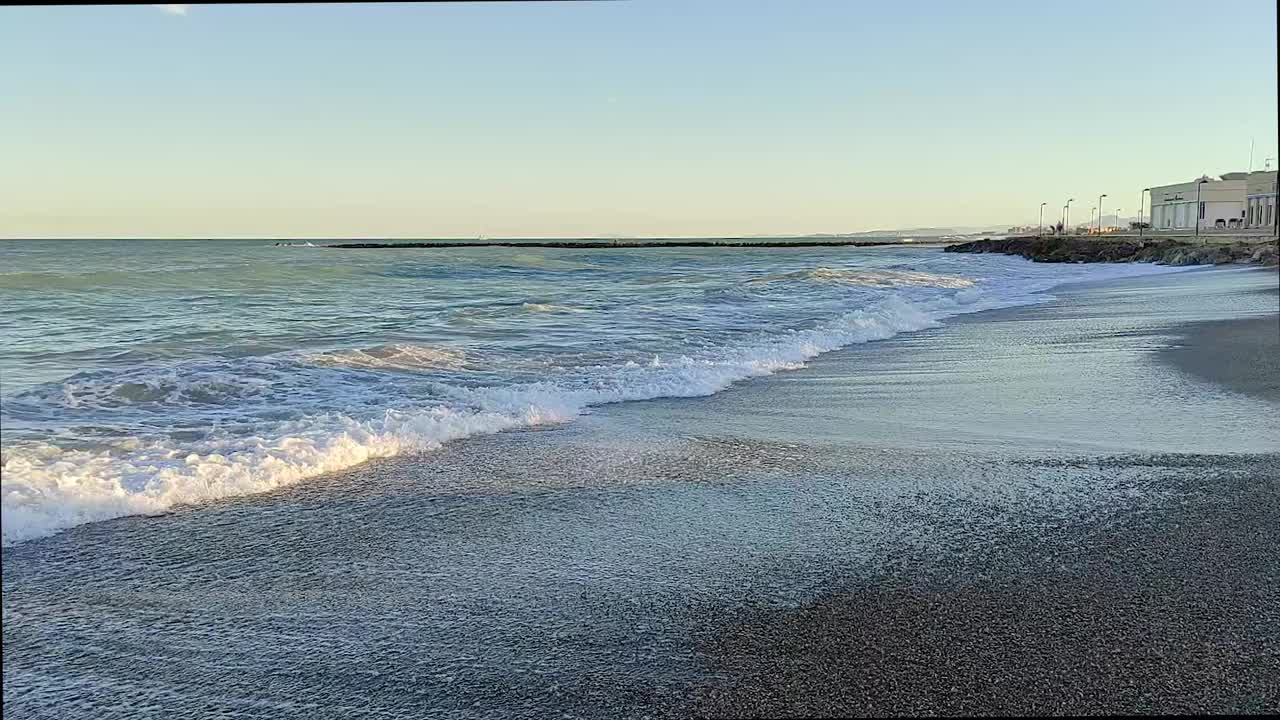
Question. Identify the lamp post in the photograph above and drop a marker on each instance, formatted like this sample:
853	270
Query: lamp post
1142	198
1275	210
1117	219
1199	184
1067	222
1100	212
1040	229
1091	214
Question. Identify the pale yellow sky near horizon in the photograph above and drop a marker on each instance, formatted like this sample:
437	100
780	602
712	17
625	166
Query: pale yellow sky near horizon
613	119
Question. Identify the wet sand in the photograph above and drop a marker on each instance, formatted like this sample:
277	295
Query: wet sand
1243	354
1165	607
1168	611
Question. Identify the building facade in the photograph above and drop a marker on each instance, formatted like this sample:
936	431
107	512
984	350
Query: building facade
1221	204
1260	199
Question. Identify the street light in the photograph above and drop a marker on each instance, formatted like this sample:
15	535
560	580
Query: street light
1100	212
1142	197
1117	219
1275	214
1199	184
1040	229
1091	213
1067	222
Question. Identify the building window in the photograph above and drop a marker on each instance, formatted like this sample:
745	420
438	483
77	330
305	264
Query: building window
1201	211
1269	206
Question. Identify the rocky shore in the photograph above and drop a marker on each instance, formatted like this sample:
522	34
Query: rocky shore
1162	251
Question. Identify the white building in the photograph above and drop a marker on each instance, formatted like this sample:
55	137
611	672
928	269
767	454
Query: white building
1260	199
1221	204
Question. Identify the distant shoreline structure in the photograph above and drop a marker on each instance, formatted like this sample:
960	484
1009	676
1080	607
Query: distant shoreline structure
611	244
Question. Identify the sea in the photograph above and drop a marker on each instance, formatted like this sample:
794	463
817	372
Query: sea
143	375
256	481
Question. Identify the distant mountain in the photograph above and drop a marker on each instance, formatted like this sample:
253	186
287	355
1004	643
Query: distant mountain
934	231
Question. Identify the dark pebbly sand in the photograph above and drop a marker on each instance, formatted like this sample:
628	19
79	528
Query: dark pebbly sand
1173	611
1172	608
1032	511
1242	354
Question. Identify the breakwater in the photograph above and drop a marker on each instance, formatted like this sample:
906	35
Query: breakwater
601	244
1162	251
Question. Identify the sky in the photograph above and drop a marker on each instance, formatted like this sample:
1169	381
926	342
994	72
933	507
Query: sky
625	118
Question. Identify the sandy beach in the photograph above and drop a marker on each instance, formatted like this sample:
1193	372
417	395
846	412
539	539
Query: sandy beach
874	534
611	361
1243	354
1151	612
1143	607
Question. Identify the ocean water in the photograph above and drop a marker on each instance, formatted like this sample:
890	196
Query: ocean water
588	567
141	375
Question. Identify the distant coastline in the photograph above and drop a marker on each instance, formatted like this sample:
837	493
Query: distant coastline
602	244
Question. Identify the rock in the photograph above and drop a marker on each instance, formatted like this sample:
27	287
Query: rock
1162	250
1265	255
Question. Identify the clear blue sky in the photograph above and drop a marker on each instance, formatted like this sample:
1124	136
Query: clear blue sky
632	118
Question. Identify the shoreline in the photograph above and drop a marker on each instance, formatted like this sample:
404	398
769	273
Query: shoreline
1242	355
1156	601
660	558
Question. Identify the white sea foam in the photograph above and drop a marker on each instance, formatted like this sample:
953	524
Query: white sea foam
548	308
47	488
399	357
871	278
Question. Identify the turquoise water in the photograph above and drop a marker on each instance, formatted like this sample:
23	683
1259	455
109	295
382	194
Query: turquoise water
138	375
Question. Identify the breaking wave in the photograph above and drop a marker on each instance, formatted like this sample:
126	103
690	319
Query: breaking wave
48	488
399	357
871	278
214	428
